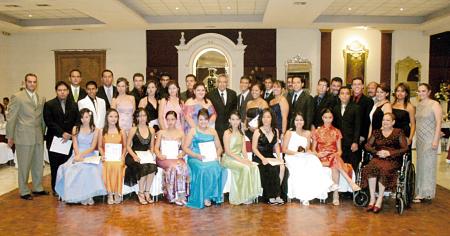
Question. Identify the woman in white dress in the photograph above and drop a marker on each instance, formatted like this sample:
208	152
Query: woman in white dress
307	179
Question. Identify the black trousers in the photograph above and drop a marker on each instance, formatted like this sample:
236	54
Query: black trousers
352	158
56	159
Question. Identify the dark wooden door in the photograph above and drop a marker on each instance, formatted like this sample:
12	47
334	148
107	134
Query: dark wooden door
91	63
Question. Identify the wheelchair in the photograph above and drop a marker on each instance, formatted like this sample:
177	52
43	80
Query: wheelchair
404	192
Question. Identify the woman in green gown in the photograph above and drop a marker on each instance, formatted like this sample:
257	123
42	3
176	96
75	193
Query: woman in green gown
245	180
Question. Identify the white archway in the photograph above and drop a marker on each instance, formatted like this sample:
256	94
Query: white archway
234	53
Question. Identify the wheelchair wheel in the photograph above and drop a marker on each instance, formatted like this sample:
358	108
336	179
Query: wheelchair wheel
361	198
410	185
400	205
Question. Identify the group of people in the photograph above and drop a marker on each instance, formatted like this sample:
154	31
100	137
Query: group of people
276	141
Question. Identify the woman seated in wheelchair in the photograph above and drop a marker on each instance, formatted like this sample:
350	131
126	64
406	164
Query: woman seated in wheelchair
327	147
387	145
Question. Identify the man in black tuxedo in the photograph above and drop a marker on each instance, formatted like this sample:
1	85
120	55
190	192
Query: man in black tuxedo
336	84
322	100
365	106
225	102
163	81
76	92
60	116
244	96
138	91
301	101
268	83
347	119
107	91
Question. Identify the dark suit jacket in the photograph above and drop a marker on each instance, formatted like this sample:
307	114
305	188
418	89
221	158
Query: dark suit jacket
102	94
305	105
270	97
82	94
186	95
137	96
327	102
349	123
365	106
242	108
223	111
58	122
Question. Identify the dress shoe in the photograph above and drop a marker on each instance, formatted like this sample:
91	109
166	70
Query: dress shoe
41	193
27	197
376	209
370	208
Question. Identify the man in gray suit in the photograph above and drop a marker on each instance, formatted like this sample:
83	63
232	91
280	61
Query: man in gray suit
244	97
25	129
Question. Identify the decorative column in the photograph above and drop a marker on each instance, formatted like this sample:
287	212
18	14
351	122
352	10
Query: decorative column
325	53
386	57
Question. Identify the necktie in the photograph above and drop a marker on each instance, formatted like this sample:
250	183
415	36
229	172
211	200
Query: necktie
63	106
267	95
295	99
242	100
33	96
108	93
223	98
75	94
319	99
342	110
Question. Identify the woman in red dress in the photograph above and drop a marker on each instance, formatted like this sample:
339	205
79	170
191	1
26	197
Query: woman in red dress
387	146
327	147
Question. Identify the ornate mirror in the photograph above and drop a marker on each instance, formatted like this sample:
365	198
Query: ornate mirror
355	58
208	64
299	66
408	71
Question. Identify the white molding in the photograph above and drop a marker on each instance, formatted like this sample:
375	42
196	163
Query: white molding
234	53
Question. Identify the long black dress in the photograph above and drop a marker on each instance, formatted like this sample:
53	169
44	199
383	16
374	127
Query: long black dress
270	179
402	121
135	170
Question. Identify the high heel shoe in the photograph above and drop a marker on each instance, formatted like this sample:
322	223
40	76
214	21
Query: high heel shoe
141	198
148	198
110	199
117	198
355	188
376	209
336	199
370	208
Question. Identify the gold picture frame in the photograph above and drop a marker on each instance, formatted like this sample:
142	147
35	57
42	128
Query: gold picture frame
355	61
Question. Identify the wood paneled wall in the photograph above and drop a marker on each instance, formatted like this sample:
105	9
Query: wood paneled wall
162	55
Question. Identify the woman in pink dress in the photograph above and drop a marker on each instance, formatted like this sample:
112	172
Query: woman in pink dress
171	102
124	104
327	147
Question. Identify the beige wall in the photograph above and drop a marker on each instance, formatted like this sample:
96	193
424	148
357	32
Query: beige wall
126	53
33	52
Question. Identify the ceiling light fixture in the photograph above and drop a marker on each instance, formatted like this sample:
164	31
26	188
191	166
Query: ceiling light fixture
228	7
12	5
177	8
29	15
401	9
298	3
349	8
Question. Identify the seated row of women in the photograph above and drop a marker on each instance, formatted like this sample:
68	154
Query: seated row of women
198	180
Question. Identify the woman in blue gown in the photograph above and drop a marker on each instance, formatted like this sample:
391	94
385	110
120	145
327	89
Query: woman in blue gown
207	177
77	181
